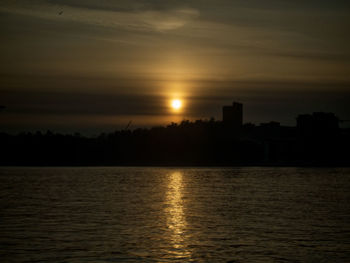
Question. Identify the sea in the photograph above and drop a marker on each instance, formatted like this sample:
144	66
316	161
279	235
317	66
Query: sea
150	214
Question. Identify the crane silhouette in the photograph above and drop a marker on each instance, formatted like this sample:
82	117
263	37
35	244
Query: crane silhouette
127	126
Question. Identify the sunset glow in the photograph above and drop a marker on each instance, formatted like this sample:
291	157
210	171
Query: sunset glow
155	62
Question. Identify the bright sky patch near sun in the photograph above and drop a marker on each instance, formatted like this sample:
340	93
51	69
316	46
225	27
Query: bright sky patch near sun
123	59
176	104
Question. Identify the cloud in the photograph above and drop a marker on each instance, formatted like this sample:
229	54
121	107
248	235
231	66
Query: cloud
173	19
39	102
139	19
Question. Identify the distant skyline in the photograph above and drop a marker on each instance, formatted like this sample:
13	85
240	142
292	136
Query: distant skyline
92	66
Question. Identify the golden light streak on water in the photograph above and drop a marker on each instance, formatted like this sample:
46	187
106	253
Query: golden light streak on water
175	214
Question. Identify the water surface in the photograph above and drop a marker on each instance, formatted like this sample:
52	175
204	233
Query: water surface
175	214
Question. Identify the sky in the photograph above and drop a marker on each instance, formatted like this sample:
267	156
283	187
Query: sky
92	66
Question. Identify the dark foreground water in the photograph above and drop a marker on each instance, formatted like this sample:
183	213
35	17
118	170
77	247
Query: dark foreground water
174	215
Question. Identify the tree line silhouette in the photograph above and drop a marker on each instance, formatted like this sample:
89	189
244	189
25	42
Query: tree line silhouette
189	143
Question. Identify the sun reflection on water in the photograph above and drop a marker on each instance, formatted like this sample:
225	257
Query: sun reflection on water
176	221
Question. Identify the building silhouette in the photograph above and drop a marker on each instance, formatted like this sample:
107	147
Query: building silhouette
316	141
233	115
319	123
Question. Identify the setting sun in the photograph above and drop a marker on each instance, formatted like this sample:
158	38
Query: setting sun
176	104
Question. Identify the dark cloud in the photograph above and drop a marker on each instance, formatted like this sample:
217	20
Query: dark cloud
161	4
121	5
62	103
263	100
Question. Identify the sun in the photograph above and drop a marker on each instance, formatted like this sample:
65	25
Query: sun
176	104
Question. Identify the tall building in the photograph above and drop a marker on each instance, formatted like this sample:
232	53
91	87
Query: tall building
233	115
